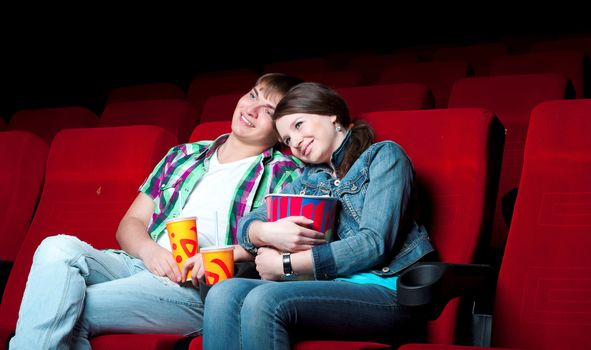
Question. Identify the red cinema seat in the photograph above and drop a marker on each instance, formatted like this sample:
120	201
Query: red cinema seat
176	116
370	66
220	107
91	178
455	153
568	63
206	85
22	159
577	43
438	76
479	56
210	130
512	98
156	91
543	288
47	122
334	79
374	98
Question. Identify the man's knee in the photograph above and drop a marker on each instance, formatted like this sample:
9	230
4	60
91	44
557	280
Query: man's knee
58	248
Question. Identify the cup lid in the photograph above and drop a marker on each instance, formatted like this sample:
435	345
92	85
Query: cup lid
216	248
299	195
181	219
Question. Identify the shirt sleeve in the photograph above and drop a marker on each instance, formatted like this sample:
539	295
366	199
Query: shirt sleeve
260	213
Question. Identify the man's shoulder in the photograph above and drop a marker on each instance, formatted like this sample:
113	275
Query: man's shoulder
284	160
191	148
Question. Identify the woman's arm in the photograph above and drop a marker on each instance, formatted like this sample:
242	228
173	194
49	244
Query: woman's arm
384	207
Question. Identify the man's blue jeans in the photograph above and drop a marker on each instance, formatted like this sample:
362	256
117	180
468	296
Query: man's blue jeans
75	292
255	314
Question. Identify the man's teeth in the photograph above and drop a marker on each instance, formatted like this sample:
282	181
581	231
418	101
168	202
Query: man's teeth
246	121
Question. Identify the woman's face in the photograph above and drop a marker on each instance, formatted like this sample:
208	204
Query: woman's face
311	137
252	121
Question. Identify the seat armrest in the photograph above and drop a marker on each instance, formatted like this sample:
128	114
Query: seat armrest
429	286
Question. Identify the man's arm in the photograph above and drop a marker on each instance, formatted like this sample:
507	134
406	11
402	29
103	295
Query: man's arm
132	235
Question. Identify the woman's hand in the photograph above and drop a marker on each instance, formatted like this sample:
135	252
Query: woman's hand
159	261
290	234
196	264
269	264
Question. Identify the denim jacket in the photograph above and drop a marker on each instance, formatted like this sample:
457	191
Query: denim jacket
375	228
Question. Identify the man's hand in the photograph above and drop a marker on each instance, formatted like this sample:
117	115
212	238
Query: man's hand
159	261
196	264
289	234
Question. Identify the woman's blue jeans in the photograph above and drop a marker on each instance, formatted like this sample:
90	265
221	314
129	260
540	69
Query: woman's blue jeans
75	292
255	314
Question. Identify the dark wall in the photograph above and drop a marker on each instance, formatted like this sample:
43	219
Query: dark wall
50	62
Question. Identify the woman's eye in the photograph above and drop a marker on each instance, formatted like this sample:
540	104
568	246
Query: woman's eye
298	125
287	141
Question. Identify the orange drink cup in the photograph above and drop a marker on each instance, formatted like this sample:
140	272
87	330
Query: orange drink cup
182	233
218	263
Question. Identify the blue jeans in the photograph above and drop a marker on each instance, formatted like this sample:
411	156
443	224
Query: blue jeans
255	314
75	292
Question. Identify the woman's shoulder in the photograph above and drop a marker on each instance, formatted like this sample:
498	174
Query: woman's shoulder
385	149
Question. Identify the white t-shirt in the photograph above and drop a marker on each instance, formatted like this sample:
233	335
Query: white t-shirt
211	198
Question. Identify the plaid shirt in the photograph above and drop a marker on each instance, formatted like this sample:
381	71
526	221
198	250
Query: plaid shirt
183	166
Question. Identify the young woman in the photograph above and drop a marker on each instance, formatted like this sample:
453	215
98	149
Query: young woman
353	290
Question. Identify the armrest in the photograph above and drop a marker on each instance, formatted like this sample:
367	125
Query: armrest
429	286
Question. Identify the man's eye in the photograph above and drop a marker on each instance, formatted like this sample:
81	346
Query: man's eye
252	95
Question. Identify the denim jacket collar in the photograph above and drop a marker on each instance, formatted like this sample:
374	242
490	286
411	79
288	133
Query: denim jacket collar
337	156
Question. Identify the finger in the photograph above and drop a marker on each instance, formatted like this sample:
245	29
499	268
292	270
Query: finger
313	234
187	265
300	220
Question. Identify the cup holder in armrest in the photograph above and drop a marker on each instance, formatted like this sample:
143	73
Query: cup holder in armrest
430	286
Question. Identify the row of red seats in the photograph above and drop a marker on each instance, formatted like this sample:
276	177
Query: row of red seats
511	97
456	155
460	172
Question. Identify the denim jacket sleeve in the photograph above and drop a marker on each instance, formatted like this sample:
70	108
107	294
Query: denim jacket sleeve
384	205
259	214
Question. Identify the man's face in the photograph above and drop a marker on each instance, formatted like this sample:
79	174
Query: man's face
252	121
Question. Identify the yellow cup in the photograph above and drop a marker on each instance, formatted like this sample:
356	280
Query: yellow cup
218	263
182	233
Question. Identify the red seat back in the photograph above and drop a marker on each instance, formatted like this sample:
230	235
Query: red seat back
176	116
91	178
544	286
456	155
334	79
22	162
478	56
220	107
156	91
374	98
438	76
568	63
512	98
210	130
218	83
47	122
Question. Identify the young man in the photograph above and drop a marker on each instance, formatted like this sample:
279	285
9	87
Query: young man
75	292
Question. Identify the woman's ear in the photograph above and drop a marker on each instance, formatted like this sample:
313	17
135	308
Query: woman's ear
333	119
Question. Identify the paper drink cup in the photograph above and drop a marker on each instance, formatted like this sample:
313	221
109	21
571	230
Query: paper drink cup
318	208
182	233
218	263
